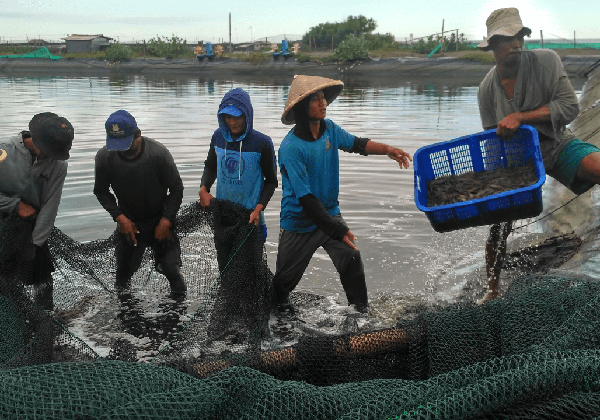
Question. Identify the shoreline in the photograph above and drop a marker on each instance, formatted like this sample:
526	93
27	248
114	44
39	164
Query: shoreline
454	68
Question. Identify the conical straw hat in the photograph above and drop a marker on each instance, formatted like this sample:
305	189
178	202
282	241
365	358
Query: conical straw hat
504	22
3	155
304	86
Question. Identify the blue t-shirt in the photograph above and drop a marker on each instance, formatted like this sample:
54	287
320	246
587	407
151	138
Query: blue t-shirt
311	167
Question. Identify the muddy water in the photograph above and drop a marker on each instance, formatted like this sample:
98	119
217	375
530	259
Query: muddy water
405	260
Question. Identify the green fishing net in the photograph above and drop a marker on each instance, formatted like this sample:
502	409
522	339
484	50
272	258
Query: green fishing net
534	353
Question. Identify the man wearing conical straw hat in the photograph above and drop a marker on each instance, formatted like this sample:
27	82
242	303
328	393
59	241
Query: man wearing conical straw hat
310	216
530	87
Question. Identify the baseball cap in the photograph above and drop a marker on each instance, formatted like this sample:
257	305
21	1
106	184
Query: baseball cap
52	134
120	129
231	110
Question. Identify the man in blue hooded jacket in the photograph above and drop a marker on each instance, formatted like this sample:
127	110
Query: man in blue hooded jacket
242	160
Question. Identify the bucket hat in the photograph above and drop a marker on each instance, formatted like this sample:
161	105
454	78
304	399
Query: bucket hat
52	134
303	86
503	22
120	129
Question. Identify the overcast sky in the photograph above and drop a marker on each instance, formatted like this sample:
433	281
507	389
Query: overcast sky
127	20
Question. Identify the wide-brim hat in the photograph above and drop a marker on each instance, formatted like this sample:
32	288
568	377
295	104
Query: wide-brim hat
52	134
304	86
503	22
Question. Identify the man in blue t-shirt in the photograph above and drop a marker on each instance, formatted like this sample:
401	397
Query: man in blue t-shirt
242	160
310	215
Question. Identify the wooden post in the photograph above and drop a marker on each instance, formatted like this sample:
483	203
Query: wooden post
457	40
542	38
574	42
442	40
144	48
331	42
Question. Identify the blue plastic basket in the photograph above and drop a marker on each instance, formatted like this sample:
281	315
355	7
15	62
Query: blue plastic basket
483	151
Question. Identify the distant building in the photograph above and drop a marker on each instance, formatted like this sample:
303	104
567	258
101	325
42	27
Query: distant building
37	42
86	43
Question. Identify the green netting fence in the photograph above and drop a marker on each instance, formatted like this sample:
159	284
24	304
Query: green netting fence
41	52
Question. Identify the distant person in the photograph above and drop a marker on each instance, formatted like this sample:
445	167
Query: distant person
198	49
242	161
530	87
31	183
310	214
149	190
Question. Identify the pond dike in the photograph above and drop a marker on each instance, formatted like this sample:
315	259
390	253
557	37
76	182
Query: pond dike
470	71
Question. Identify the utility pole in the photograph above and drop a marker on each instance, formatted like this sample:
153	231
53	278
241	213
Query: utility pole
457	40
442	40
230	46
542	38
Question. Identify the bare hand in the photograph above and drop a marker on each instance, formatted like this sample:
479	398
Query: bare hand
349	239
128	228
399	156
25	211
255	215
205	197
508	126
163	231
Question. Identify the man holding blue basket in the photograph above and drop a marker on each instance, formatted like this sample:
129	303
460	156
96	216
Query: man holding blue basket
530	87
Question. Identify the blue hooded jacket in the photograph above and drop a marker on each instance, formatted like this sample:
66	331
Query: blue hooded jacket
245	168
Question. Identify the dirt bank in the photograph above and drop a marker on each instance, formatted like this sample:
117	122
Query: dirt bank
451	66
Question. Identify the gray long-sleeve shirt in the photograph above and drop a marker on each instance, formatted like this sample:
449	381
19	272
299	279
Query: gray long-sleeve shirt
140	184
541	80
37	182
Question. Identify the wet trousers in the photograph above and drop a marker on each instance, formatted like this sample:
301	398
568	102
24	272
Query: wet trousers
293	256
167	258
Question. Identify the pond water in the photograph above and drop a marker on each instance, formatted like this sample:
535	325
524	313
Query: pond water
401	252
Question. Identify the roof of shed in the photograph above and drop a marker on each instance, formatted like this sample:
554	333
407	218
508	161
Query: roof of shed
76	37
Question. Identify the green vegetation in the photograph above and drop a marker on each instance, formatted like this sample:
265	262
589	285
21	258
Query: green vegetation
118	52
328	35
379	41
14	49
302	57
352	48
173	47
481	56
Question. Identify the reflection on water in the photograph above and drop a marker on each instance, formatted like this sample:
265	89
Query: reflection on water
399	247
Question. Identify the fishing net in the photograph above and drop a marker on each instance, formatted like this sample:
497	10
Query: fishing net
221	353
